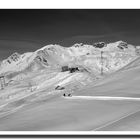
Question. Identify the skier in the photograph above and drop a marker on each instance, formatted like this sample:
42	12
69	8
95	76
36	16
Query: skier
69	95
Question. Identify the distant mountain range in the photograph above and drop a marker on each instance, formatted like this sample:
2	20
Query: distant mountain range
99	58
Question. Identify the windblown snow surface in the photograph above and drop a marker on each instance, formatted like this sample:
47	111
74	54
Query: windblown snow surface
103	84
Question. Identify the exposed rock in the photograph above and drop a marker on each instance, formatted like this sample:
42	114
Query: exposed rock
99	45
59	88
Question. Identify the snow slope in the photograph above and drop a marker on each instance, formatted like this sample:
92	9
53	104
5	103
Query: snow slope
67	114
32	98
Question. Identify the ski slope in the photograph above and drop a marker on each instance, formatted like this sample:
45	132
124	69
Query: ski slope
32	98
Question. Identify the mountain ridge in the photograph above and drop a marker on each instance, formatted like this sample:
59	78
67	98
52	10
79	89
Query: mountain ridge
96	59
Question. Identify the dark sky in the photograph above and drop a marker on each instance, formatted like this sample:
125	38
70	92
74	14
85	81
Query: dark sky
49	26
57	24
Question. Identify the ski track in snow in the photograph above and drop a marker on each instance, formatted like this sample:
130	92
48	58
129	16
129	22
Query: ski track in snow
11	111
115	121
13	101
103	98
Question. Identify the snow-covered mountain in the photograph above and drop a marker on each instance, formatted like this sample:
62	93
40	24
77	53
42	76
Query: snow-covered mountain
97	58
34	79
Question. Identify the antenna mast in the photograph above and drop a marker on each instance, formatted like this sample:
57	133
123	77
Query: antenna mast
102	62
